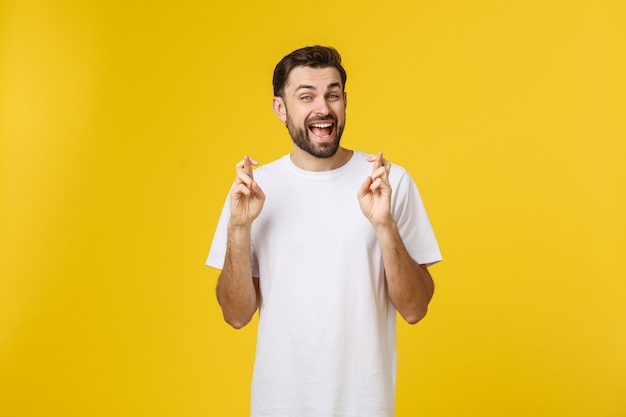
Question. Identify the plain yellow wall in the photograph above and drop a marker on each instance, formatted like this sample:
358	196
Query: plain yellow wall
121	123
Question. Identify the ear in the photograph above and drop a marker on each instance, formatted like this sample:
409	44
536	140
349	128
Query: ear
278	104
345	99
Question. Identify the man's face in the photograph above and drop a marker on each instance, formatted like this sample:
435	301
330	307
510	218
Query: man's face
315	110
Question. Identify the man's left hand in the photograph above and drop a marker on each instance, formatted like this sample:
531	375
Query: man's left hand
375	193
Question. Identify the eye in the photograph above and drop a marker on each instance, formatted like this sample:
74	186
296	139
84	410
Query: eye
306	98
332	96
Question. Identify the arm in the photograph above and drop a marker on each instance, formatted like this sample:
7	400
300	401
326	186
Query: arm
409	284
237	291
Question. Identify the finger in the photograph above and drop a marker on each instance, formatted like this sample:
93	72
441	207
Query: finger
378	160
243	177
387	166
374	158
379	173
385	171
257	190
247	166
244	170
376	184
249	162
241	166
241	190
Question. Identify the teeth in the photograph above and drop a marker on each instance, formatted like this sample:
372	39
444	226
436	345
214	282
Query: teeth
322	125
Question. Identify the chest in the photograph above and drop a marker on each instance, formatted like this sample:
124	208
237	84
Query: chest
313	216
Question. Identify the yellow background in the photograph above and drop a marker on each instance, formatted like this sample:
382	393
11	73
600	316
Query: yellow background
121	122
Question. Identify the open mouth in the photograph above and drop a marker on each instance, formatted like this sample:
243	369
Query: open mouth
322	130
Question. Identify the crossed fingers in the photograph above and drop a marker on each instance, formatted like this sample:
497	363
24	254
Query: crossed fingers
245	178
380	171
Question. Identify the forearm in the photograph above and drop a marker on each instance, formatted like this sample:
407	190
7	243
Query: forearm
236	290
409	284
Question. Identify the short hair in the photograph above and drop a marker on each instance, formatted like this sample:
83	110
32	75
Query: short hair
310	56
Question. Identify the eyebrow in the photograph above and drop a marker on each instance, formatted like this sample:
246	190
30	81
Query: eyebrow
330	86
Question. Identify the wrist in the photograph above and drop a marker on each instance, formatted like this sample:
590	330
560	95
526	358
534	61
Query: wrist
238	237
239	229
239	222
385	227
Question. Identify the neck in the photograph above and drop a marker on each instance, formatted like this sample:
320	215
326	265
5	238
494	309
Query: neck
308	162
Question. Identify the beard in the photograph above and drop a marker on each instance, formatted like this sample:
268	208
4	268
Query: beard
300	137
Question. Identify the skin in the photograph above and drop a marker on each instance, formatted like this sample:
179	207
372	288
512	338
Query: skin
313	96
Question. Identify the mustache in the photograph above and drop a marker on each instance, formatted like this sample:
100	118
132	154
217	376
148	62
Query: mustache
315	119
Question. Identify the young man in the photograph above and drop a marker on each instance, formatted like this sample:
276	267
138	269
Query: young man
327	243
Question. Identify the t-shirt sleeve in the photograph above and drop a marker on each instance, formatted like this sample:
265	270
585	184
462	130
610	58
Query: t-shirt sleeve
217	253
413	222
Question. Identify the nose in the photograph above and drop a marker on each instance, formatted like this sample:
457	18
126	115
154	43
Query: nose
321	106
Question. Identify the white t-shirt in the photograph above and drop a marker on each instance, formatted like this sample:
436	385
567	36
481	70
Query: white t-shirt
326	343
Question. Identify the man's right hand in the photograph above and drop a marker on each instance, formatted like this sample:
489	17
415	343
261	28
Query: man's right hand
246	197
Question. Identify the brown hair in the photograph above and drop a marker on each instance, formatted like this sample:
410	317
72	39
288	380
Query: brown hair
310	56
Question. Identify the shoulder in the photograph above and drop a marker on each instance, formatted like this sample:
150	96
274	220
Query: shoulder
397	173
273	168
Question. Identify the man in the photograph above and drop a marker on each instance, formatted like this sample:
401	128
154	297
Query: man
327	243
